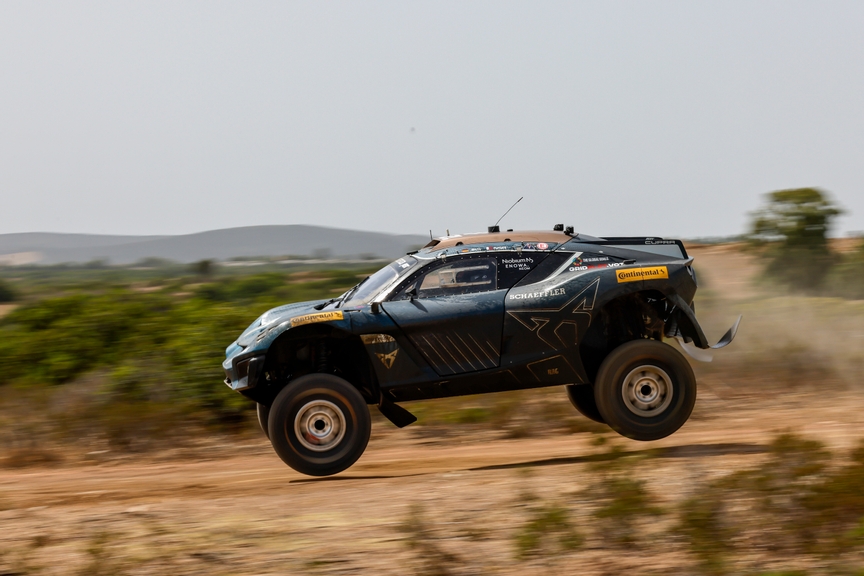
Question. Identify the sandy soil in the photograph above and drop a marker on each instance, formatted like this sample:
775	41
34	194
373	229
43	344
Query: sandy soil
236	509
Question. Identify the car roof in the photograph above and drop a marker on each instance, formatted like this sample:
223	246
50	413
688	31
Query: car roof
490	238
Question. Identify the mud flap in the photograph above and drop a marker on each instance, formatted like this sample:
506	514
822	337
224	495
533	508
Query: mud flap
703	355
395	413
729	336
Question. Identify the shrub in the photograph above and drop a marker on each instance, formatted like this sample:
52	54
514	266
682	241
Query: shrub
796	222
7	293
624	499
435	561
549	525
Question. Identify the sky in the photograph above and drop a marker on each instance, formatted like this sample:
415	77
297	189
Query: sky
618	118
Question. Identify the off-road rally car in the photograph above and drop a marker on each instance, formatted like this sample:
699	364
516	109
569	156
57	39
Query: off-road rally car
479	313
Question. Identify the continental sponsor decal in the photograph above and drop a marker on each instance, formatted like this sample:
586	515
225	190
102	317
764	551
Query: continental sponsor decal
318	317
637	274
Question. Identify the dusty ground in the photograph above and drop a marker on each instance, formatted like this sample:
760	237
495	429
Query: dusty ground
240	511
6	309
417	502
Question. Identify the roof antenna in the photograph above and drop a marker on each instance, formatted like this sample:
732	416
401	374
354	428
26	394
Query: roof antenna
430	234
495	228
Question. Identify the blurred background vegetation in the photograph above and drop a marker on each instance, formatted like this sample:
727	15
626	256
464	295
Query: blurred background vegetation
133	355
130	356
791	232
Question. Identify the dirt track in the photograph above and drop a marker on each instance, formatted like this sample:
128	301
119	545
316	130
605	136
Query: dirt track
241	511
234	508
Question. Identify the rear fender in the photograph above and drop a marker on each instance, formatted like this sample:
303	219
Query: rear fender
687	327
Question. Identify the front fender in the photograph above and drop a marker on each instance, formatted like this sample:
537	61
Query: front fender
263	340
244	364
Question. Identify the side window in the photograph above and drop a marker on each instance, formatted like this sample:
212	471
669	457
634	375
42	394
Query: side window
460	277
549	264
513	266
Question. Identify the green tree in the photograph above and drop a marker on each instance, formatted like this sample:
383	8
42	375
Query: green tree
795	224
203	268
7	293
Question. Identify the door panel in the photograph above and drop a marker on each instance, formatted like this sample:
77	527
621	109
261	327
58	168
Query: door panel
455	334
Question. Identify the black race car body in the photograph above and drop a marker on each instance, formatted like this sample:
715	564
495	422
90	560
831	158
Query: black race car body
477	313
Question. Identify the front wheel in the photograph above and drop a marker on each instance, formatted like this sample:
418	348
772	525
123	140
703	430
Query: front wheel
645	390
319	424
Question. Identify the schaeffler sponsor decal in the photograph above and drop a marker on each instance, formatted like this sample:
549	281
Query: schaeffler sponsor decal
517	263
319	317
544	294
637	274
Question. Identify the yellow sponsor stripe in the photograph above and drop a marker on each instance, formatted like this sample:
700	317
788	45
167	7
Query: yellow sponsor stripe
318	317
638	274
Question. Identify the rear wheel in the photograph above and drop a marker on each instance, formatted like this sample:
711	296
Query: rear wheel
263	416
319	424
645	390
582	398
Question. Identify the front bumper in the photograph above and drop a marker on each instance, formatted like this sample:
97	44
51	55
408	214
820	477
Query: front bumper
243	372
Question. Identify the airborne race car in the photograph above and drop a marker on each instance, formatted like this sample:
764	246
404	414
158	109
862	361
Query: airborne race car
473	314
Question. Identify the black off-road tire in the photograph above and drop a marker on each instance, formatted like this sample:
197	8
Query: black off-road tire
263	415
582	398
319	424
645	390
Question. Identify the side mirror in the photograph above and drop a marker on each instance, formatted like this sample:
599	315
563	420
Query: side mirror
375	307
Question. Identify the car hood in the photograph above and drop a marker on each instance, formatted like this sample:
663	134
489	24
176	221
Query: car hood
270	320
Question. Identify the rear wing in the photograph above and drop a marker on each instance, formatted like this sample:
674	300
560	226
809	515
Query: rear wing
659	246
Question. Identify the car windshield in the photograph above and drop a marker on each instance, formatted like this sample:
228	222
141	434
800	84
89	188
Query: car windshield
364	292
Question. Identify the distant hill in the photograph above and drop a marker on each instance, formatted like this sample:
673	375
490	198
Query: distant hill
267	241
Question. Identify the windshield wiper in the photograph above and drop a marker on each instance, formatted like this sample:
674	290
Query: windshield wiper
323	304
350	292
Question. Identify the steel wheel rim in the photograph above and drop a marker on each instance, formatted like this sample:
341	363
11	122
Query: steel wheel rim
647	391
320	425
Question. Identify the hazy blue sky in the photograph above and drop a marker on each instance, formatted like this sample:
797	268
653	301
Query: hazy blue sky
660	118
